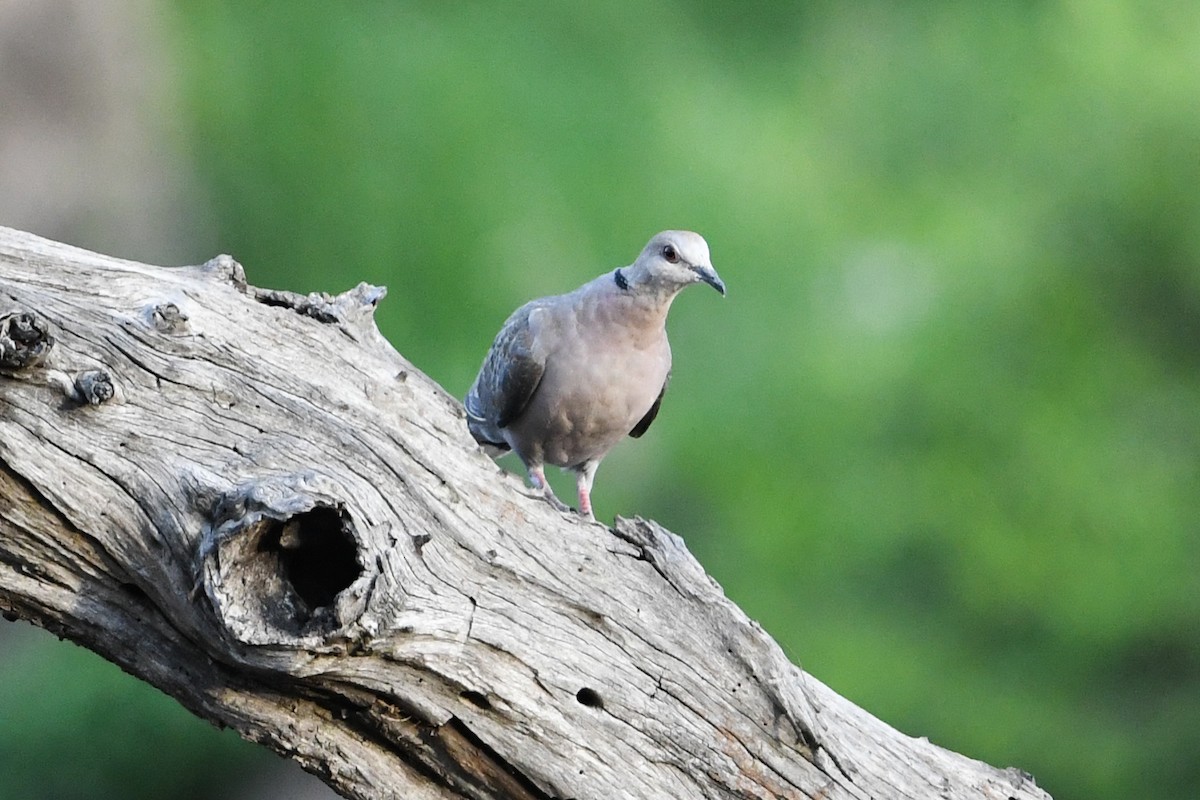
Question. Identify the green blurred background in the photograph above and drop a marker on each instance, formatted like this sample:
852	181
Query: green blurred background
941	438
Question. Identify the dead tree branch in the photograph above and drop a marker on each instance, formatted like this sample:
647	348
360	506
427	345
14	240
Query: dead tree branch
248	499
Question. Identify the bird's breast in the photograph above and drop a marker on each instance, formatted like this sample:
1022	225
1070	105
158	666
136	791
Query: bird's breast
596	389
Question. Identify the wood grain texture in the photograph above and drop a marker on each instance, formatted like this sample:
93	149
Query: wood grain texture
272	516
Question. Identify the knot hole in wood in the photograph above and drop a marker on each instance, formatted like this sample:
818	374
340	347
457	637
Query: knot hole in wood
281	558
318	556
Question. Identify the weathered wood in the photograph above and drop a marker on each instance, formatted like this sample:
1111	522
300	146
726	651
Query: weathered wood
250	500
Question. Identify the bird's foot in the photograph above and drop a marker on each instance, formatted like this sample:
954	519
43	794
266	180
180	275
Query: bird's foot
583	484
537	477
585	507
552	499
559	505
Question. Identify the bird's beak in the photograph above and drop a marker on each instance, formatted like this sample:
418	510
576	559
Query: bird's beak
710	276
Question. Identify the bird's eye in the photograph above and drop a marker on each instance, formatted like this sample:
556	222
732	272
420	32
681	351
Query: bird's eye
669	253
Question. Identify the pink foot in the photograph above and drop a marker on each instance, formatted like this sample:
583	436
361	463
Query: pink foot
585	504
537	476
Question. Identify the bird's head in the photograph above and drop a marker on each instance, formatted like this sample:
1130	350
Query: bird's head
674	259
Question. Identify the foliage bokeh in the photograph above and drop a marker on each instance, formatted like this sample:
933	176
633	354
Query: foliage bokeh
941	439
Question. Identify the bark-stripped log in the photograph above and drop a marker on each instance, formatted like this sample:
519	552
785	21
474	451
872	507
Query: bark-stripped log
248	499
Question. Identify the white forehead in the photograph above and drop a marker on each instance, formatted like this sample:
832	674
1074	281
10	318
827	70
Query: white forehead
691	246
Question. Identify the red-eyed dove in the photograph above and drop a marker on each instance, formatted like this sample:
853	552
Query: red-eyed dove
569	376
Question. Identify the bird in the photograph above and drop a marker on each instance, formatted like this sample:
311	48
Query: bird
569	376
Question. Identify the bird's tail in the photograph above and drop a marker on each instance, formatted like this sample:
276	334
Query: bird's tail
484	431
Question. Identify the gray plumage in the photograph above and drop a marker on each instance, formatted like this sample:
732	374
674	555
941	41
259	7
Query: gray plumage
569	376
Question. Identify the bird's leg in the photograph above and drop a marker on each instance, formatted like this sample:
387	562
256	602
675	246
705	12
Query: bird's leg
537	476
583	483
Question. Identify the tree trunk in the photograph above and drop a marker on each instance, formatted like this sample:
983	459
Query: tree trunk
248	499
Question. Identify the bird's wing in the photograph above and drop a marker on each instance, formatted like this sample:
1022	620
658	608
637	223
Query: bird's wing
644	423
510	375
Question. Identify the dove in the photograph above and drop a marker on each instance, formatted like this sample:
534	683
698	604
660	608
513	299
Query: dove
569	376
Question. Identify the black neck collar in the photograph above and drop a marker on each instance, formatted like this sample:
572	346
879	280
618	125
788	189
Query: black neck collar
622	284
